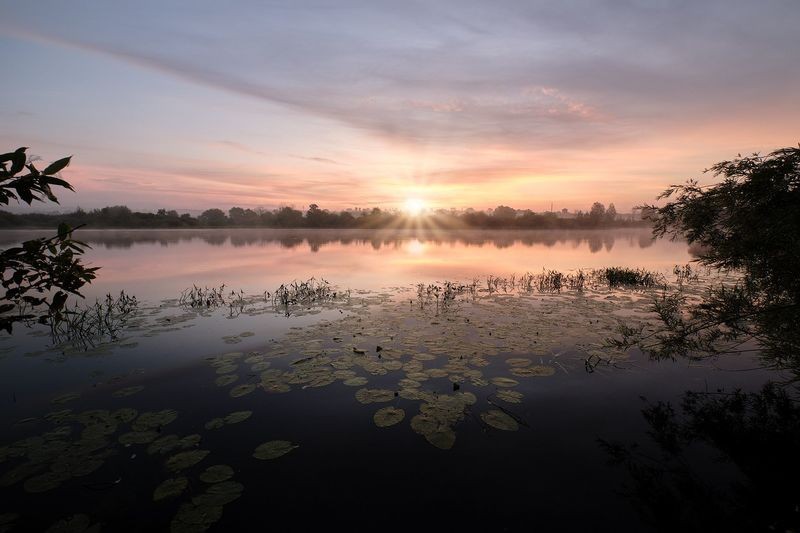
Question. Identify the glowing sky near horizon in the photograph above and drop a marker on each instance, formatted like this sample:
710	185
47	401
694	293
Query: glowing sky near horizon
457	103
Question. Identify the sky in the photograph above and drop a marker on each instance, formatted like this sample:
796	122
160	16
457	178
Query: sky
196	104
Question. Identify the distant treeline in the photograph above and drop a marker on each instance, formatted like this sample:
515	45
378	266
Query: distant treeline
120	216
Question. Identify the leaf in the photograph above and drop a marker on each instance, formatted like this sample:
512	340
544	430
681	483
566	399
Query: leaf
500	420
18	160
274	449
57	166
63	230
57	181
388	416
58	301
170	488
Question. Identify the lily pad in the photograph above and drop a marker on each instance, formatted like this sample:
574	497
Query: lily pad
128	391
44	482
510	396
274	449
171	443
170	488
443	438
183	460
216	473
77	523
374	395
500	420
219	494
357	381
124	415
534	371
151	420
215	423
193	518
138	437
227	369
241	390
64	398
505	382
238	416
225	380
388	416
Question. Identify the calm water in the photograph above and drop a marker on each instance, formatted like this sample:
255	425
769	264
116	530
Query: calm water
500	419
159	263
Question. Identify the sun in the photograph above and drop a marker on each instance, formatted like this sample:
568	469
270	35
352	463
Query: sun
414	207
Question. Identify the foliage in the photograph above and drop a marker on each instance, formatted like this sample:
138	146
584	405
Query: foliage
41	272
748	223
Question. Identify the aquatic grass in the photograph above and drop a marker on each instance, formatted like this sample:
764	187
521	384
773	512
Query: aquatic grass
305	292
87	326
629	277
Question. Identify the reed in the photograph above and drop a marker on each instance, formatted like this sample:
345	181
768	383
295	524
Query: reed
87	326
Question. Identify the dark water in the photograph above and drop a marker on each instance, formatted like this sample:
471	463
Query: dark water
547	473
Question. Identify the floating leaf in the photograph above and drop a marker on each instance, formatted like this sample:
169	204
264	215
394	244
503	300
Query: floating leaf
124	415
64	398
374	395
225	380
241	390
355	382
238	416
170	488
534	371
227	369
443	438
215	423
500	420
274	449
128	391
216	473
77	523
193	518
138	437
44	482
219	494
388	416
170	443
505	382
20	472
157	419
509	396
183	460
518	362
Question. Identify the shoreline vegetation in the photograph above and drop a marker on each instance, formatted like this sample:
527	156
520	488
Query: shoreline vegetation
502	217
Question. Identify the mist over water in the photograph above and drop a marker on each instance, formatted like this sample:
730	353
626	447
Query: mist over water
160	263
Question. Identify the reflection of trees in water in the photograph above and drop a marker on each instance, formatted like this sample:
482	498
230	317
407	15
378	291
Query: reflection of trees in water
728	460
646	240
722	462
594	240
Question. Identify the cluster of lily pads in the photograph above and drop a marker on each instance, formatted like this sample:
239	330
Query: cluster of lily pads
438	359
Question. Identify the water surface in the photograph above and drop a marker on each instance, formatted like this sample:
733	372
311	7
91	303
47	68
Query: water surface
500	418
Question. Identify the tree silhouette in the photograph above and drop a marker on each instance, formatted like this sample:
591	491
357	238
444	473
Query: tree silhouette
749	223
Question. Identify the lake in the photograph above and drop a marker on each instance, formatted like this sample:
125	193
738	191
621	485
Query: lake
422	377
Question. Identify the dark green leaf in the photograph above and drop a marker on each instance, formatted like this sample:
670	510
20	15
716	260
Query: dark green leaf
57	166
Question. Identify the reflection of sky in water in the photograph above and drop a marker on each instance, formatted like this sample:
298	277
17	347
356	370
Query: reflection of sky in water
157	264
547	466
